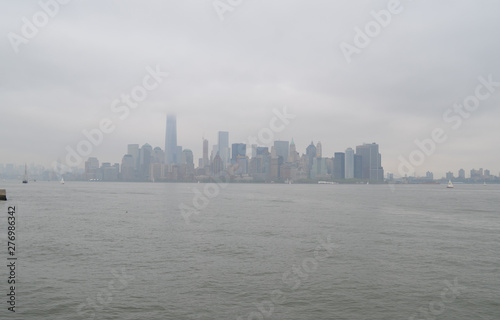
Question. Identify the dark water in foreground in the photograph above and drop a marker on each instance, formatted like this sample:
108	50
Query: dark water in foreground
124	251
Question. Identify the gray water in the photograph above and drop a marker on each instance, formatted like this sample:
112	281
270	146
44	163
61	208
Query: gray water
124	251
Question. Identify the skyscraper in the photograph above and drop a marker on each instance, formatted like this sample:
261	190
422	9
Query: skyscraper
281	148
238	149
205	153
223	144
310	154
339	166
171	150
372	162
358	166
133	150
349	163
293	156
319	150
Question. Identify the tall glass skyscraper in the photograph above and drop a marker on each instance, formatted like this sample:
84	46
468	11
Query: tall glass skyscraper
223	145
349	163
171	140
282	148
372	162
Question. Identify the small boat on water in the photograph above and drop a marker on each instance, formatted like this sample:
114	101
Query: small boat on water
450	185
25	179
62	180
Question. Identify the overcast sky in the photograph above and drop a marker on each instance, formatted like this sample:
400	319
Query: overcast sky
229	74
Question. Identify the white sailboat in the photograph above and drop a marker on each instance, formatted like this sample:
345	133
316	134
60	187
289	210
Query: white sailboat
25	179
62	180
450	185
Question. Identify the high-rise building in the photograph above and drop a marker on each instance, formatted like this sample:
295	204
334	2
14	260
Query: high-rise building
461	174
145	157
158	156
223	145
349	163
319	150
238	149
281	148
171	151
261	151
254	150
429	175
372	162
339	166
133	150
205	153
310	154
358	166
128	168
293	156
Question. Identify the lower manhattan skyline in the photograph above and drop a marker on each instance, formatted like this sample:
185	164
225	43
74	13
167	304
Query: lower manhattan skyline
356	163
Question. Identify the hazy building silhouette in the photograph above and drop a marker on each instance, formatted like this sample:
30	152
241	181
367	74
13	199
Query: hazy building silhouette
217	165
339	166
372	166
128	168
261	151
349	163
319	150
223	147
145	157
281	148
358	166
293	156
461	174
205	153
310	154
171	150
133	150
238	150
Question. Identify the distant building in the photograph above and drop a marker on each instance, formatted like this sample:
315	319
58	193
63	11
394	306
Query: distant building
205	161
449	175
461	174
282	149
339	166
261	151
293	156
171	150
217	165
429	175
145	157
372	162
128	168
133	150
319	150
349	163
223	145
358	166
238	150
92	169
310	154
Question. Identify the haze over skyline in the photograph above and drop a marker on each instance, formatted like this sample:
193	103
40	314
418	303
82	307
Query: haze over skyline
229	75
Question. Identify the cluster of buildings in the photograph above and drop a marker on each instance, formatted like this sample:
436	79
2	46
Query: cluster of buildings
280	162
241	162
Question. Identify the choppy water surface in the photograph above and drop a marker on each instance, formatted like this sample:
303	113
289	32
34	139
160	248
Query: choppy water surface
124	251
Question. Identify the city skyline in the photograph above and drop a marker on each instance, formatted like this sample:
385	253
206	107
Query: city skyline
143	163
172	124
